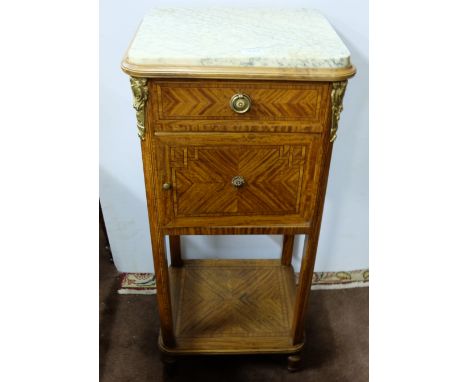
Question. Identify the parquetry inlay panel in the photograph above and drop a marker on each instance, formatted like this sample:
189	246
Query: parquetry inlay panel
209	100
233	302
201	178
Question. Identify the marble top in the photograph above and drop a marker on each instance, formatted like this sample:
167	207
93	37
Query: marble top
288	38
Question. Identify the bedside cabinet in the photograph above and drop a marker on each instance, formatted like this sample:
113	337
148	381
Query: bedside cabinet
237	111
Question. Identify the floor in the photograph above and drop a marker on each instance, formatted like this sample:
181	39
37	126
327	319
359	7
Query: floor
336	350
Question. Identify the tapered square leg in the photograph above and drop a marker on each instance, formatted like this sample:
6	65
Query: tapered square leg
163	293
303	288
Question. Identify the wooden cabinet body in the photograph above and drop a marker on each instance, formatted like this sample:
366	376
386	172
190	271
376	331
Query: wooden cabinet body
210	169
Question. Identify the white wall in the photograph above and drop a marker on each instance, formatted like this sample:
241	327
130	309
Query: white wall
344	237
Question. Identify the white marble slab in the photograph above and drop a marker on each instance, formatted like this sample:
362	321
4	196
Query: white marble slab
293	38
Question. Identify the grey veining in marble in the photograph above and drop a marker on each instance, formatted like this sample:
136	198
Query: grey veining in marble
294	38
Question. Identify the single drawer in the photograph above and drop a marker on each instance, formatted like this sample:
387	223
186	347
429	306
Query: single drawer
232	100
223	179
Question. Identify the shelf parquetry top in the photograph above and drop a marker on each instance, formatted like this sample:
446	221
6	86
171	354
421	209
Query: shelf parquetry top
237	43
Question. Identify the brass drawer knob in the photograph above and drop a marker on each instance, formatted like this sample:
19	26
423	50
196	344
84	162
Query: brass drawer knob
238	181
240	103
167	186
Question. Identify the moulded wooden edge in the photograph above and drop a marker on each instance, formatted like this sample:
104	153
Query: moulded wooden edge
237	230
174	351
238	73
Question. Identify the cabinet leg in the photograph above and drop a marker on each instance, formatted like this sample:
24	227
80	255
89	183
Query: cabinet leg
288	244
176	254
163	293
303	288
295	362
310	252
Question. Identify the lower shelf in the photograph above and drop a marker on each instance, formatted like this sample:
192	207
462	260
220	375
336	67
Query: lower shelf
232	307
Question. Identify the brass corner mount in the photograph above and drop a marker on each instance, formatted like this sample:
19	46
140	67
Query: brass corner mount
337	94
140	95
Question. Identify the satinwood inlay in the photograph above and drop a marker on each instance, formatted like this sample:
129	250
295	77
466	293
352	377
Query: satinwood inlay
202	179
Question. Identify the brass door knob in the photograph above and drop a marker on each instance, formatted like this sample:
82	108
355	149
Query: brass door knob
167	186
238	181
240	103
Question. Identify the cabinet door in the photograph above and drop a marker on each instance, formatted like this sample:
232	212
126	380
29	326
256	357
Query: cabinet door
236	179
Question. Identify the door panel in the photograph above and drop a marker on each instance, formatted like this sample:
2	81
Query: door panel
278	171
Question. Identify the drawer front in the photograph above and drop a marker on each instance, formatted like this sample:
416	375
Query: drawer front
211	100
218	179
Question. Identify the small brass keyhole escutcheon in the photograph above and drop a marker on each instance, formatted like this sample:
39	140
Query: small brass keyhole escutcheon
167	186
240	103
238	181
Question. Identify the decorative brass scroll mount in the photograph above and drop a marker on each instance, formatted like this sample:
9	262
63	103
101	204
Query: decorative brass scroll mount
140	95
337	94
